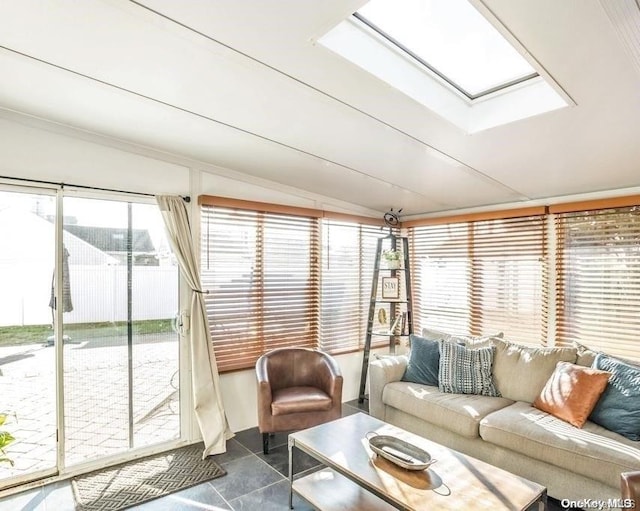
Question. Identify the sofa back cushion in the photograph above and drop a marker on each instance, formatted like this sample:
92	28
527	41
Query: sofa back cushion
467	340
520	372
586	355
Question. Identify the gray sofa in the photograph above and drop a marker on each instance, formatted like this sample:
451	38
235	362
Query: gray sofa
508	432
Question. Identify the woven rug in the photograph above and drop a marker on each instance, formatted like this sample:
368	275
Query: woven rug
129	484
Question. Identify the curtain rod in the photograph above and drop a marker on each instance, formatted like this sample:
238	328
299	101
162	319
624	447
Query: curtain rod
186	198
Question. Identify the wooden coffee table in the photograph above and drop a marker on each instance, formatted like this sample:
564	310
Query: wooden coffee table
357	479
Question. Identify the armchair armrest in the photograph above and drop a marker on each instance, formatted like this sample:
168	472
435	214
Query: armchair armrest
262	372
630	486
264	394
383	370
331	377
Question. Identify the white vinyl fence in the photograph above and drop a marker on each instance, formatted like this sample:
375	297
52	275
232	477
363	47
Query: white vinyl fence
98	293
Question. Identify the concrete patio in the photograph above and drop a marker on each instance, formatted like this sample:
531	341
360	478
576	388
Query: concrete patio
96	399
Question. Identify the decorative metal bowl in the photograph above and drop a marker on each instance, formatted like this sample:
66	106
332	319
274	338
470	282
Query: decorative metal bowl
399	452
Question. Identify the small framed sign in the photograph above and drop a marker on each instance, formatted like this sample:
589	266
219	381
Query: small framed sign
390	288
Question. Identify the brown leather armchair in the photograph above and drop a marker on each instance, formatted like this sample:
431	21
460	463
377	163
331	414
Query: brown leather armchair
297	388
630	486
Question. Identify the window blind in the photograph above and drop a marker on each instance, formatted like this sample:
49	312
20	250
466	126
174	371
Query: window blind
262	273
482	277
598	273
348	255
441	277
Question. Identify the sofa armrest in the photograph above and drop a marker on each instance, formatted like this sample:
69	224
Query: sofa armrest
386	369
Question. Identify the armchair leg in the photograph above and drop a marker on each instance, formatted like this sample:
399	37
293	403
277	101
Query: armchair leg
265	443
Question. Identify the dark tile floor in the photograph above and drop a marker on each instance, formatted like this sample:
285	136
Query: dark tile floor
253	481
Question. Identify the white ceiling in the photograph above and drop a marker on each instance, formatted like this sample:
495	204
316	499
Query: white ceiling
241	84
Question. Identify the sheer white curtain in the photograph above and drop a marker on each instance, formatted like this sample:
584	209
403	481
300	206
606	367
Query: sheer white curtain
208	404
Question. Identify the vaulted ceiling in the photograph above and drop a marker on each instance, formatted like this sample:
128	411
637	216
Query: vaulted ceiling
243	84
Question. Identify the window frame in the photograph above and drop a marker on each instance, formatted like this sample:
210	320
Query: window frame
408	52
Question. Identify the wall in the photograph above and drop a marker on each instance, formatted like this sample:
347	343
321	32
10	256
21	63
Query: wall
35	149
32	149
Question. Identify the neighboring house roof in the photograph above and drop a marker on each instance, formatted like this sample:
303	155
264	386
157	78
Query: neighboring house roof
28	237
109	239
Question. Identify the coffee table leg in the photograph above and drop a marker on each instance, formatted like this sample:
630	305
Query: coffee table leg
543	502
290	442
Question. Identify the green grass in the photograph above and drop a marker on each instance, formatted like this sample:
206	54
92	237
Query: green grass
37	334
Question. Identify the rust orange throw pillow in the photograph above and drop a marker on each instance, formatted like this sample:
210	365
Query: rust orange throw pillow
572	392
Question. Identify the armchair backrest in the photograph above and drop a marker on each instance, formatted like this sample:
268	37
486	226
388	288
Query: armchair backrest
289	367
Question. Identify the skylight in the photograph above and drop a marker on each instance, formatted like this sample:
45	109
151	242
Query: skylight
454	57
452	39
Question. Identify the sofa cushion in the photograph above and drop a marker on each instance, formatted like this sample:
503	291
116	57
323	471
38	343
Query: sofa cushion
592	451
571	392
586	356
299	400
424	361
619	406
520	372
459	413
466	370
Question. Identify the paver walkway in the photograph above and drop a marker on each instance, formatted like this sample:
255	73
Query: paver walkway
96	399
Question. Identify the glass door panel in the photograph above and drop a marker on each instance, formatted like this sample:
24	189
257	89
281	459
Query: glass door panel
120	351
155	378
27	358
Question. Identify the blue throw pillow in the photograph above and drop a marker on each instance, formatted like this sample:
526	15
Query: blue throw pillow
424	361
466	370
618	408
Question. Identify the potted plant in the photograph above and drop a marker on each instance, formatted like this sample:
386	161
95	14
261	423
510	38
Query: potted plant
5	439
392	258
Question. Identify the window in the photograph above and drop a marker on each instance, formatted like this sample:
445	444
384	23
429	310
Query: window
261	271
481	277
451	39
598	268
278	276
348	254
282	276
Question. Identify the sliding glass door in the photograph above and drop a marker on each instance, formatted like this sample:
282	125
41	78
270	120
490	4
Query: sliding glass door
27	362
120	351
89	358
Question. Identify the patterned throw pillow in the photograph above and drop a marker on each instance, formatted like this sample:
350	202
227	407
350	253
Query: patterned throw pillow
617	409
465	370
424	361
